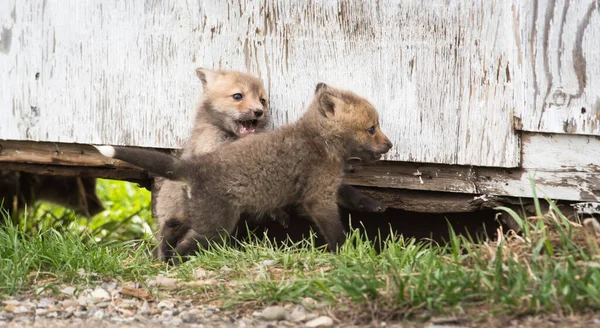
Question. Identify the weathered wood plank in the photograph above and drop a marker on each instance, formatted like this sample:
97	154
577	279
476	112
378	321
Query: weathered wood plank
558	68
561	179
561	152
121	72
55	154
127	174
566	185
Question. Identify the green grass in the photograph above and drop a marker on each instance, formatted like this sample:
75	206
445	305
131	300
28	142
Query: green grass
127	215
551	267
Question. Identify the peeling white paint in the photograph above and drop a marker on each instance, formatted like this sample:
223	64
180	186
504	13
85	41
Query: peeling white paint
121	72
559	65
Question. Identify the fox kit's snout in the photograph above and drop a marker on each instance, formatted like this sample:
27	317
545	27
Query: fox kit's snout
239	100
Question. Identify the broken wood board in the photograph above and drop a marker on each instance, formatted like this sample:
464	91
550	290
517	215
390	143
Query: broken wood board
54	153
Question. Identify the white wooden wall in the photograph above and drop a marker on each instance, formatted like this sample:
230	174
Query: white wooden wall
558	48
448	77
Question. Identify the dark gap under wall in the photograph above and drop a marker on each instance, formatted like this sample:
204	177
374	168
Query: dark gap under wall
422	226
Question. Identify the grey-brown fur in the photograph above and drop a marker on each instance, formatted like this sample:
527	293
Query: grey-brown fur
301	163
213	128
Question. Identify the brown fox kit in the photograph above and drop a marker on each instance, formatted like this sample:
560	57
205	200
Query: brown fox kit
233	105
301	163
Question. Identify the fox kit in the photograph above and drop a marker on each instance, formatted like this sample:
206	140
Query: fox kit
301	163
233	105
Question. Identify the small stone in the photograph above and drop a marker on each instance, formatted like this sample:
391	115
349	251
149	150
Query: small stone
298	314
145	309
41	311
80	314
273	313
16	308
109	286
83	300
99	294
268	262
165	305
208	313
45	302
155	311
191	316
102	305
69	290
309	302
322	321
69	303
167	313
126	313
129	304
98	314
200	273
166	281
175	322
310	316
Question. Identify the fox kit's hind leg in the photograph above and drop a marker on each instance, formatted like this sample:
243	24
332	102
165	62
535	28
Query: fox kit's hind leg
183	238
352	199
170	233
326	216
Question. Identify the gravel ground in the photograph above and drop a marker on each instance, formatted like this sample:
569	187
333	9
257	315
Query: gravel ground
111	305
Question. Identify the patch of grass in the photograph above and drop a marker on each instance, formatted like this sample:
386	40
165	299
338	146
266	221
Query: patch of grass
50	257
550	266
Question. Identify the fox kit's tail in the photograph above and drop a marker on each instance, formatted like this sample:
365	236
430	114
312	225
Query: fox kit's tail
153	161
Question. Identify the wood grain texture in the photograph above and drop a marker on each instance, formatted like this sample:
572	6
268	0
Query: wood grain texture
564	185
558	65
563	167
545	159
121	72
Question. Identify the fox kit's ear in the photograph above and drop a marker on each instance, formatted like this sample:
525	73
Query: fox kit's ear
320	86
328	101
205	75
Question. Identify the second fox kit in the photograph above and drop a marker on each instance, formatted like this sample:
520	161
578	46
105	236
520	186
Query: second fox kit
233	105
301	163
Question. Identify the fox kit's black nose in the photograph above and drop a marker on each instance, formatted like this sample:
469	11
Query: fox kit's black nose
258	112
388	144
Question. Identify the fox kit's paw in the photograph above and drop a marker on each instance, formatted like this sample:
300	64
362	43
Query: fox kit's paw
352	199
280	216
370	205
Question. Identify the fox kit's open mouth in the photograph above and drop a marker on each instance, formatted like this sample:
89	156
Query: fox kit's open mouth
247	126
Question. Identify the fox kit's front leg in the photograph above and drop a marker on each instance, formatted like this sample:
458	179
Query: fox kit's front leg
325	214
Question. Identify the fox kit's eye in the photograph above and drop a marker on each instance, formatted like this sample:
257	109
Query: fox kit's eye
263	101
371	130
238	96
